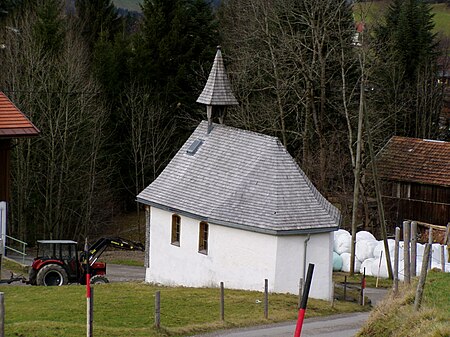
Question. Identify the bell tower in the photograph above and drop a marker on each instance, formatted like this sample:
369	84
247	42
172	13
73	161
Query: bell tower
217	93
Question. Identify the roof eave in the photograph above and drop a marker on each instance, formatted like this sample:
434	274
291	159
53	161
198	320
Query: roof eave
270	231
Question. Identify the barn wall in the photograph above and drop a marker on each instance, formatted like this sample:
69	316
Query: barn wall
426	203
241	259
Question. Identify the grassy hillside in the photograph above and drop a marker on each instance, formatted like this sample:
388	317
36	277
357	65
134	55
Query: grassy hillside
372	12
127	309
131	5
396	316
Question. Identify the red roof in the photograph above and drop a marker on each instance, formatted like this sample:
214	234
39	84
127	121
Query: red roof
13	123
415	160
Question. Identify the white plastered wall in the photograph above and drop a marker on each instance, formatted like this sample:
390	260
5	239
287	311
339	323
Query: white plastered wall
241	259
290	264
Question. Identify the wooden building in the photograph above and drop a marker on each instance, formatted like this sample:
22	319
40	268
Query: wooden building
13	124
415	176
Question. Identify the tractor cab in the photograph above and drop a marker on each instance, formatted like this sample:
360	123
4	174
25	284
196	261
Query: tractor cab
57	249
61	256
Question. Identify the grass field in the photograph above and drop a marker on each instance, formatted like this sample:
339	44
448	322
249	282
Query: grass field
372	12
131	5
127	309
395	316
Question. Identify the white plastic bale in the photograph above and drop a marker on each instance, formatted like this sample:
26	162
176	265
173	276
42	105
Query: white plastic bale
379	268
364	235
380	248
337	262
346	263
364	249
368	265
342	242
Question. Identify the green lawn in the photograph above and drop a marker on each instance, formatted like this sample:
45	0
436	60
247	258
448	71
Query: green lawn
442	19
127	309
372	12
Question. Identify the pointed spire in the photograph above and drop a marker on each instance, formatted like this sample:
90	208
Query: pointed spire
217	92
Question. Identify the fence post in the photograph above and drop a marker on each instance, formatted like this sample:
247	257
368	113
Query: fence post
430	241
396	258
345	288
158	309
2	315
443	258
222	302
447	241
300	290
363	286
406	257
413	248
422	278
266	298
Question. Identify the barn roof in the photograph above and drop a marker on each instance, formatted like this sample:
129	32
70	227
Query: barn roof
13	123
217	90
241	179
415	160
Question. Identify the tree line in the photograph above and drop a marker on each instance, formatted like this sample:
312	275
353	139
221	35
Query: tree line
114	96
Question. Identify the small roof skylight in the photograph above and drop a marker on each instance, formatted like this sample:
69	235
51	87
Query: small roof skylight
193	148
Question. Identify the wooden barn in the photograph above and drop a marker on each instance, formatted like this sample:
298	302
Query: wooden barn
415	179
13	124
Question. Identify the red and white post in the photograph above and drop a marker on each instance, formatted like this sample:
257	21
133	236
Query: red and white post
89	307
302	310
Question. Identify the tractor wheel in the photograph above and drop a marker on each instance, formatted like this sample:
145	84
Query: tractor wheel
32	277
99	279
52	275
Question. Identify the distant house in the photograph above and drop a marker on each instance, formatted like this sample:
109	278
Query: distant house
415	175
13	124
233	206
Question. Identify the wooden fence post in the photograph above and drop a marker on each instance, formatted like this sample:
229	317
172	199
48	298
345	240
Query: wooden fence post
345	288
430	241
2	315
422	278
413	249
266	298
222	302
447	241
158	309
406	257
363	286
333	286
300	291
396	258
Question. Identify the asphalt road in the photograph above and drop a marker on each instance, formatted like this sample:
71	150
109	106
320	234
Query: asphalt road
344	325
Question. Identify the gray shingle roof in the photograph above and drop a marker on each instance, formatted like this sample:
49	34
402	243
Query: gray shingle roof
241	179
217	90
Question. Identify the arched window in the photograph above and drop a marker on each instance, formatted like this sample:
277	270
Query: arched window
176	230
203	238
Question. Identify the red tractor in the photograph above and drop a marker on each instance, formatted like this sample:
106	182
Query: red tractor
58	261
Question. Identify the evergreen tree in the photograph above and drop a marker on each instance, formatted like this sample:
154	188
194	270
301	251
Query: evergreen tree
48	29
406	51
97	18
178	38
408	33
